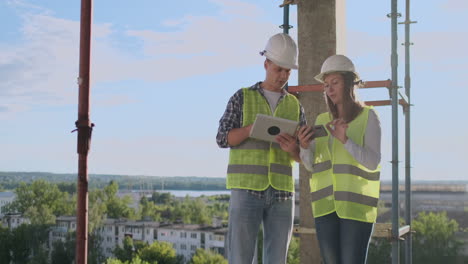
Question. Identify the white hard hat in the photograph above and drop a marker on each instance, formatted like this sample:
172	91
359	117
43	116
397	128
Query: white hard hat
337	63
281	50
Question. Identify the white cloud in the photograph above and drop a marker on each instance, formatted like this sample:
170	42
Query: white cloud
43	68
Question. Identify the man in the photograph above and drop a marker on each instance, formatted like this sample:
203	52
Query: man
259	172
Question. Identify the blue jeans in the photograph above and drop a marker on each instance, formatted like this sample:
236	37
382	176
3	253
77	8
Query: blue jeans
246	213
343	241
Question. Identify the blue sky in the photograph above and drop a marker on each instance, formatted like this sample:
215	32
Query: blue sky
163	71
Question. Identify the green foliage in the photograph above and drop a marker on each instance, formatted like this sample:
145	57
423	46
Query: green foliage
5	244
95	255
135	260
63	252
96	210
117	207
294	251
68	187
149	210
126	252
28	244
162	198
202	256
134	252
41	202
380	251
160	252
106	202
11	180
434	240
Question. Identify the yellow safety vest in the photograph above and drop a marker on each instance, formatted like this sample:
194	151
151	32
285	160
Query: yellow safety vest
257	164
339	182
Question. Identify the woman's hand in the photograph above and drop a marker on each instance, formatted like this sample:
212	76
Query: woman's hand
338	129
305	135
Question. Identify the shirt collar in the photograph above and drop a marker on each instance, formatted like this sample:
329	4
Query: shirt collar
260	90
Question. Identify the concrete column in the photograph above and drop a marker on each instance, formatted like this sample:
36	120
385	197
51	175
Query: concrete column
317	39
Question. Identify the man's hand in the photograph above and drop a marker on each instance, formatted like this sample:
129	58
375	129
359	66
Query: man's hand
288	143
238	135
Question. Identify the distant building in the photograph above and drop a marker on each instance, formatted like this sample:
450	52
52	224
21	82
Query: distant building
185	239
5	199
12	221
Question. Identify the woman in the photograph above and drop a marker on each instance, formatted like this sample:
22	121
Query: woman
345	166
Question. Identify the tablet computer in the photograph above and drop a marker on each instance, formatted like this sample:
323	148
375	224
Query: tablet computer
268	127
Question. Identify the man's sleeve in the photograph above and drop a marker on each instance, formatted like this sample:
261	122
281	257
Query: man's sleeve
230	119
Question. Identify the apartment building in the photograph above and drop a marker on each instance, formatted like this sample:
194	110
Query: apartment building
12	221
185	239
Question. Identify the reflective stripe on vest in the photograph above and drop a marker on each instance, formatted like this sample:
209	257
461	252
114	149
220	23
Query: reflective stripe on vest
339	183
256	164
257	144
259	169
350	169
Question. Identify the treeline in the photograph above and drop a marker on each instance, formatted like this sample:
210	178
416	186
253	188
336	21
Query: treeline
42	201
11	180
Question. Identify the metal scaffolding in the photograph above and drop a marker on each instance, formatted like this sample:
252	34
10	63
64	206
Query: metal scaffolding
394	232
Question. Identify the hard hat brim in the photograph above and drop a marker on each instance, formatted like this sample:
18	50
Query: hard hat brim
319	77
283	65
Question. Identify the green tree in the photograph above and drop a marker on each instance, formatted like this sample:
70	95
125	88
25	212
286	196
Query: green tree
96	210
63	252
117	207
434	240
95	255
162	198
135	260
28	244
380	251
41	202
293	251
160	252
202	256
5	244
148	210
126	252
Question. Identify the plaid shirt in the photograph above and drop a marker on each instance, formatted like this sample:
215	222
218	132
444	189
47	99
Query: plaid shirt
232	118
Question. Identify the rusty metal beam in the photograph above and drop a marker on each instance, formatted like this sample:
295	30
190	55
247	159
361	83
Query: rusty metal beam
84	127
386	102
319	87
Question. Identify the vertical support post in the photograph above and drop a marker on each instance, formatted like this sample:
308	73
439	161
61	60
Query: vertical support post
286	27
408	211
84	128
394	98
317	40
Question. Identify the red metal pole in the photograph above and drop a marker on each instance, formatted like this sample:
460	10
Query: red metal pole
84	127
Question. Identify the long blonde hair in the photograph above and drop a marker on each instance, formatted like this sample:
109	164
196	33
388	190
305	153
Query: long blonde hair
352	107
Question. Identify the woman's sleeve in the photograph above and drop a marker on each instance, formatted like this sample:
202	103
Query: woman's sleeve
307	156
369	154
